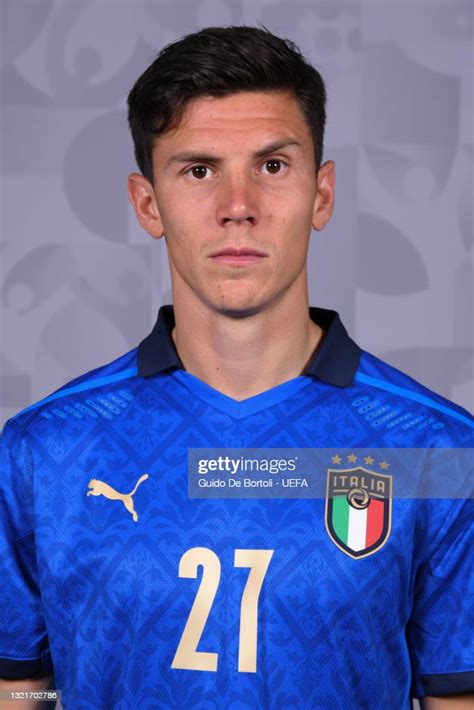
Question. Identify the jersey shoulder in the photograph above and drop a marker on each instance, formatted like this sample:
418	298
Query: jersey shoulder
416	403
63	401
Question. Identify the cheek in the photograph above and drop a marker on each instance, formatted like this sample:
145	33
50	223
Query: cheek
291	204
179	232
293	227
182	245
172	219
185	219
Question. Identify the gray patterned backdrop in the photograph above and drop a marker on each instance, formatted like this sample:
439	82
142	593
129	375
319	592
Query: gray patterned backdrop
81	282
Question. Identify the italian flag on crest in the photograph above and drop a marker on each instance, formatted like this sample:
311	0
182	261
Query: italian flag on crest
358	510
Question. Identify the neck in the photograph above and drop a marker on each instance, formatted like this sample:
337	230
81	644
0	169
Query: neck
244	356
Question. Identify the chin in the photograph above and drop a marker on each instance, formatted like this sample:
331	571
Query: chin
238	308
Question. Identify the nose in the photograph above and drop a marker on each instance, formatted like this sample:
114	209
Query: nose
237	200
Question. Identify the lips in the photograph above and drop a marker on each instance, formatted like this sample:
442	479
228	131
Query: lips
238	251
241	256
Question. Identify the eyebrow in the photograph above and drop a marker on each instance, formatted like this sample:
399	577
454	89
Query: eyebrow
191	157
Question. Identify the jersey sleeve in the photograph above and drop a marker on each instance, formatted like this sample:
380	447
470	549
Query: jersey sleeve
442	620
24	650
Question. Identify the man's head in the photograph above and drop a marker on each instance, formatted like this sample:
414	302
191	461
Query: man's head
220	61
225	138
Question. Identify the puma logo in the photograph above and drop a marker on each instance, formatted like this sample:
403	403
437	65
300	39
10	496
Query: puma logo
99	488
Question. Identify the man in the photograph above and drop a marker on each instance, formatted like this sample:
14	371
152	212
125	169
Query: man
100	540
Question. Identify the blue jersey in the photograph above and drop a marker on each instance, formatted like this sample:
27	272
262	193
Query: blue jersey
138	596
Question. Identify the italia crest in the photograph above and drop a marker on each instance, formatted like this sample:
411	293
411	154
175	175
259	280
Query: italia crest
358	509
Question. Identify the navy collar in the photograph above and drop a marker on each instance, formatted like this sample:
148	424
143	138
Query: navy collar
335	361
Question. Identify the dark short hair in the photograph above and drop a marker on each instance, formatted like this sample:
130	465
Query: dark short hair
219	61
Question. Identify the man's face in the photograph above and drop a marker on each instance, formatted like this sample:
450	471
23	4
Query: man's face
237	174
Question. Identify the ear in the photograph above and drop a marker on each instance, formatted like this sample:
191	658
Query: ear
142	197
324	202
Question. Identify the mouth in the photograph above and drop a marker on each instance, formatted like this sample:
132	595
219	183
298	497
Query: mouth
242	256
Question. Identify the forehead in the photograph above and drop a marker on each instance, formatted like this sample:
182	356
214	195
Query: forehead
245	117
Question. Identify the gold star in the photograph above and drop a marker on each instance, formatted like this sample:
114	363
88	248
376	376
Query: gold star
368	460
352	458
336	459
384	465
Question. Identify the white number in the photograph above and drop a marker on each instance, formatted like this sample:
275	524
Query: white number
186	656
258	561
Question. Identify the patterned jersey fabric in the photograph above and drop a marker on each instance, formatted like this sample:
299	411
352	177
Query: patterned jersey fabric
137	596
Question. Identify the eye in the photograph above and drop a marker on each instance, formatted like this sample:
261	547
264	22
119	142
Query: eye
198	171
273	166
